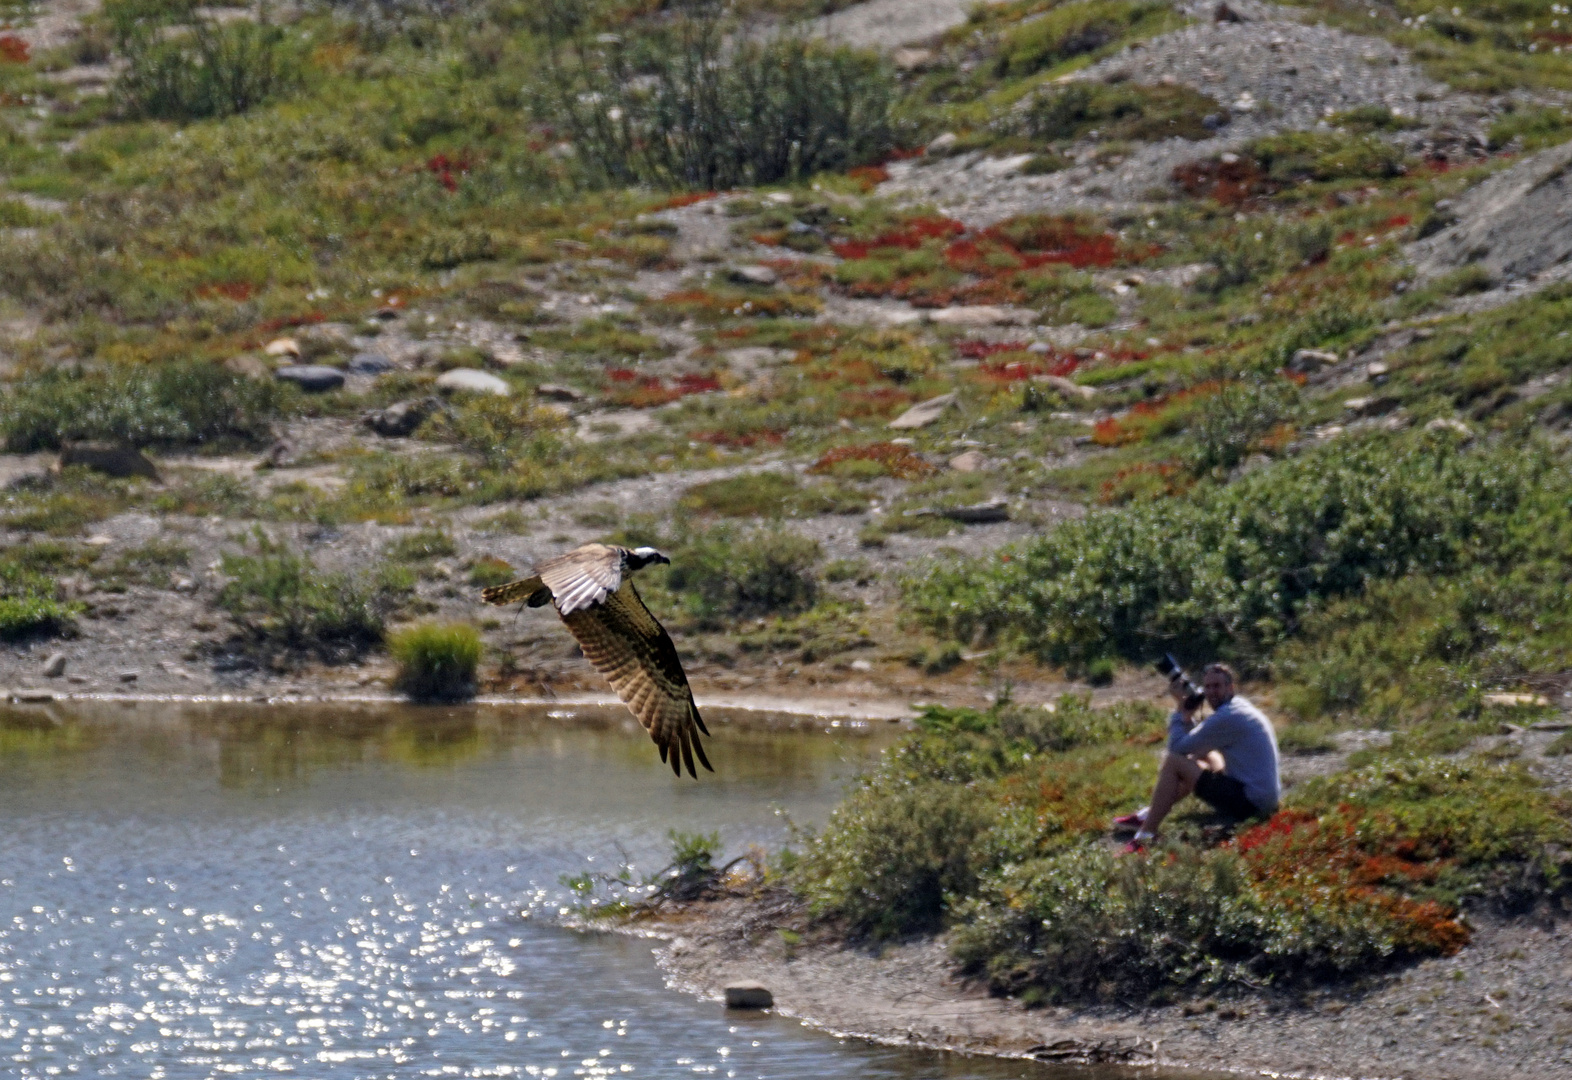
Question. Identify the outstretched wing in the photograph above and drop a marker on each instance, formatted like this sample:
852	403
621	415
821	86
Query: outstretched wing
514	591
583	577
625	643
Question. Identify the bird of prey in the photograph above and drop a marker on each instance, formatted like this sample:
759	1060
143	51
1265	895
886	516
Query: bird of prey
591	589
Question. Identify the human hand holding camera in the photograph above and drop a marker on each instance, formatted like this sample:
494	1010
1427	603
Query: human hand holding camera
1185	693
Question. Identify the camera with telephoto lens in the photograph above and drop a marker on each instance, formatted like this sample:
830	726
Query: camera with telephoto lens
1170	667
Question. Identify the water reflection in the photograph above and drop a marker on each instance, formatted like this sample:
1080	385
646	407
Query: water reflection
358	892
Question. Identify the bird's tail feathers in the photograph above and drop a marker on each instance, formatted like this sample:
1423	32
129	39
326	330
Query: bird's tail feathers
513	592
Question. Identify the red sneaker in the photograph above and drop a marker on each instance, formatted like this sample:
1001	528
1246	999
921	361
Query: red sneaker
1135	847
1130	821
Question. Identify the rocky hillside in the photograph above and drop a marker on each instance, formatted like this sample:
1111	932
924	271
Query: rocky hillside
378	336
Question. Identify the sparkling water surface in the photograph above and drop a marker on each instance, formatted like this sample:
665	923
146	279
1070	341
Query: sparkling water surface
205	891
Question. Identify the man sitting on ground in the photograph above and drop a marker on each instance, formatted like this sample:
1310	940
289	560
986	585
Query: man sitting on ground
1229	760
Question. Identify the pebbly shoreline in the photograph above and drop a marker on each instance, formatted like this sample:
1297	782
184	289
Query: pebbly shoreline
1500	1008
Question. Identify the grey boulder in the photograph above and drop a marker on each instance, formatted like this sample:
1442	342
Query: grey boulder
109	459
370	363
312	378
400	420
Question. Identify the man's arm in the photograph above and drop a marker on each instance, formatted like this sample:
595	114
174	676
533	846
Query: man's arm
1214	733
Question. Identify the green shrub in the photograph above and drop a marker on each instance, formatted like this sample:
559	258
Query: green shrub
726	573
1072	30
676	105
1087	925
436	661
1121	111
181	403
422	545
891	854
1232	423
1537	127
1231	570
914	837
1296	156
1372	118
29	605
280	598
1424	647
30	612
193	67
488	570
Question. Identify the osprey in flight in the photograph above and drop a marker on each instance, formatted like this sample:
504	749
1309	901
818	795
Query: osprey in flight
591	590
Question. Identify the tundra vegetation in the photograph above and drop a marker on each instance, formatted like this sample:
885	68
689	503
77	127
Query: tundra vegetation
661	228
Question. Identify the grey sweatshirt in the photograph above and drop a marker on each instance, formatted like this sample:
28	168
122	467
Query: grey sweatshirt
1244	736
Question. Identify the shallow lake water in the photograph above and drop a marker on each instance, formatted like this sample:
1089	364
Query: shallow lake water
369	891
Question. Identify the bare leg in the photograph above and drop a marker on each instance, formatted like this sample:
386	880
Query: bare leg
1175	779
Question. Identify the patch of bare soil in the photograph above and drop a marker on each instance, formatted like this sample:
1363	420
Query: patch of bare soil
1501	1008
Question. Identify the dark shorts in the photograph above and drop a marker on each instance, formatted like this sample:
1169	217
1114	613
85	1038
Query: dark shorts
1225	795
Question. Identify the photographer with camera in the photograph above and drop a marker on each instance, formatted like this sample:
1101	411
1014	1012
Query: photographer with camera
1228	760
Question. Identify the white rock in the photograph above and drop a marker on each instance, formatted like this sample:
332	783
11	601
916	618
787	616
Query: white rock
971	461
1306	361
925	413
1067	388
284	346
753	275
1003	166
981	315
469	380
1512	701
1450	423
943	143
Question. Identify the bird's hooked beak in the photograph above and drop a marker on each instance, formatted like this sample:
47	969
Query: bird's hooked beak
643	556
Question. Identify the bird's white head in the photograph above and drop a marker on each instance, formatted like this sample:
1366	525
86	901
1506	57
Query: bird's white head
640	557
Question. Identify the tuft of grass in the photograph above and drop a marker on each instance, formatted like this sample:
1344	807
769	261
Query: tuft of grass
488	570
29	601
436	661
674	105
192	67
